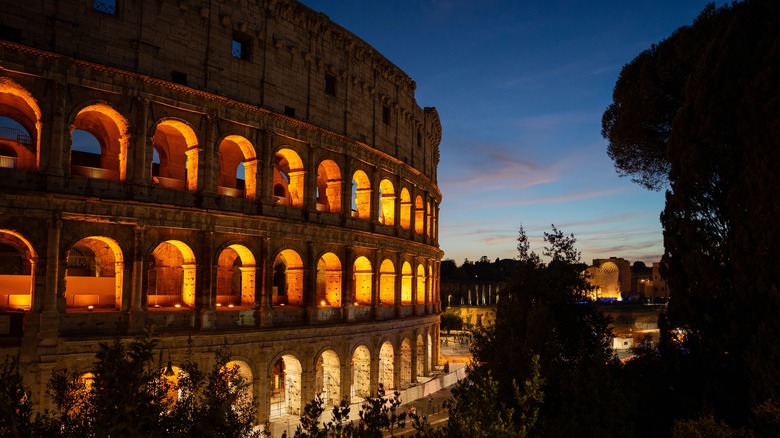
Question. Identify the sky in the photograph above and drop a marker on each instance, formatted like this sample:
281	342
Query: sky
520	87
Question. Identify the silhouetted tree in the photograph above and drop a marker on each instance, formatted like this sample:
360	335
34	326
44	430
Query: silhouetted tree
699	112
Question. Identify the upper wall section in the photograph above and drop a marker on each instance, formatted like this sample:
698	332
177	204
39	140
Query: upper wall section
275	54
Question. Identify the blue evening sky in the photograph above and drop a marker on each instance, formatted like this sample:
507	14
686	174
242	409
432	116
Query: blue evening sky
520	87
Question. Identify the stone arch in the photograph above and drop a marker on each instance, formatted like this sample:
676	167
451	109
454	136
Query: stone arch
328	187
94	275
406	283
362	279
329	275
327	377
171	278
289	176
386	202
429	285
17	271
387	282
361	195
360	369
386	369
421	284
110	130
176	146
406	209
405	377
286	378
173	374
419	215
236	270
420	362
237	156
246	388
287	279
20	126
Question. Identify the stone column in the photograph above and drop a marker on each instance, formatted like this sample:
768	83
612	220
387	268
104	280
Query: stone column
52	156
265	316
310	284
348	285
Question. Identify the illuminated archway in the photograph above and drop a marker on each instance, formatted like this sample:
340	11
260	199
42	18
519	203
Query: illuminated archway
429	217
176	146
420	365
327	377
419	214
406	283
237	168
20	125
236	277
362	279
406	364
288	279
386	366
17	271
94	275
361	195
406	209
243	384
102	124
329	280
429	285
386	202
328	187
288	177
361	372
387	282
171	278
285	386
420	284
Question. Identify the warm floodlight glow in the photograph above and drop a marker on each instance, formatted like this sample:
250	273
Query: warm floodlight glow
322	303
231	306
219	305
90	308
177	305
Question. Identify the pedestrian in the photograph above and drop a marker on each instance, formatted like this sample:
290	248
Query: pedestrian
284	434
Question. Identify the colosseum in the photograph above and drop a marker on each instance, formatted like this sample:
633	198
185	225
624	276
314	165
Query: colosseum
242	170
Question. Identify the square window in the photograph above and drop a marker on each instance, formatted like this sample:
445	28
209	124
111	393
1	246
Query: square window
289	112
107	7
330	84
240	45
178	77
386	114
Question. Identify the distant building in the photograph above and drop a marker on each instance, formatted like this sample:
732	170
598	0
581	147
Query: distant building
656	287
610	277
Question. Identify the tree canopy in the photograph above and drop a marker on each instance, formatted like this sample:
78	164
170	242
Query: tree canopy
699	114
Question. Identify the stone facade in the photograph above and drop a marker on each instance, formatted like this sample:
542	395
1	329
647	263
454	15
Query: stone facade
244	170
611	277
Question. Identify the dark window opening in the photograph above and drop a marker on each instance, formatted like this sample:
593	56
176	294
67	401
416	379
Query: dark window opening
107	7
289	112
386	114
419	139
240	46
178	77
330	84
11	34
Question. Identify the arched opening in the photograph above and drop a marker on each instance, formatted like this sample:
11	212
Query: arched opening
420	284
328	187
176	156
329	280
236	277
362	279
429	216
242	382
429	352
361	373
288	279
20	124
420	365
237	168
406	364
94	275
327	377
99	143
173	375
17	270
419	213
406	283
387	282
286	387
386	366
406	209
171	277
361	196
288	177
386	202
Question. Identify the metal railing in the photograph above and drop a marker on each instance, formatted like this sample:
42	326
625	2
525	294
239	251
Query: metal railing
15	134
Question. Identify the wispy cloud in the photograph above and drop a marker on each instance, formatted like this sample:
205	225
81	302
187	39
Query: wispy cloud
566	197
